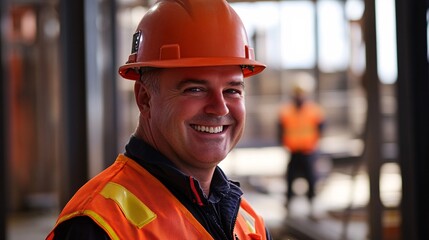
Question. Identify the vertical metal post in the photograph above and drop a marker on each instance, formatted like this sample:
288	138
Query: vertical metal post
373	139
74	169
3	127
316	69
110	131
413	116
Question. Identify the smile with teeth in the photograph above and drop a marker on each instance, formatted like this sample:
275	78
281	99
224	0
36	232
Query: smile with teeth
208	129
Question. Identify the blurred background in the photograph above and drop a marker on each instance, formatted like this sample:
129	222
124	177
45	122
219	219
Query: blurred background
66	113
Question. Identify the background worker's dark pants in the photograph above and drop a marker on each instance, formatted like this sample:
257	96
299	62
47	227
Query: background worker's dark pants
301	165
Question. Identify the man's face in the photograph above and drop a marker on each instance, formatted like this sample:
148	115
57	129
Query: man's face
198	115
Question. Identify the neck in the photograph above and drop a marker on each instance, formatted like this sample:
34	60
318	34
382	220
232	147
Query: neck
203	177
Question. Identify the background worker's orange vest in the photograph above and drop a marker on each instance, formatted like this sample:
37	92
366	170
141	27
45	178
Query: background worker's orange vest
129	203
301	126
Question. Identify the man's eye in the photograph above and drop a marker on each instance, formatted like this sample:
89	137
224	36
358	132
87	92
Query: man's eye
193	90
233	91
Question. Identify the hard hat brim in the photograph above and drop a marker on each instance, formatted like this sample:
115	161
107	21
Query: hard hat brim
249	67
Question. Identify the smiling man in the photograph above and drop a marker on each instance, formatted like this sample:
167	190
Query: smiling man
189	59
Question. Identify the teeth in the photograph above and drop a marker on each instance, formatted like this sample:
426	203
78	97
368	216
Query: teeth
208	129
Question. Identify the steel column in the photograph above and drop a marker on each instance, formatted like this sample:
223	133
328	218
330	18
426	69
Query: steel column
413	116
74	157
3	129
373	140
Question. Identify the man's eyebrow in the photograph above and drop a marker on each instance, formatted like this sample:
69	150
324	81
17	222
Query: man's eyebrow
187	81
237	83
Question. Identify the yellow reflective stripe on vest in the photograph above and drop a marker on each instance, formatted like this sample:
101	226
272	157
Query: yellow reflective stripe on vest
97	218
250	221
103	223
134	210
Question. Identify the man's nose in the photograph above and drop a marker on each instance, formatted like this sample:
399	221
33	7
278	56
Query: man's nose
217	105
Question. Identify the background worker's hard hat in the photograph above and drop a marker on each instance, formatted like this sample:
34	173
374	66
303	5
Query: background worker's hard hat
302	83
190	33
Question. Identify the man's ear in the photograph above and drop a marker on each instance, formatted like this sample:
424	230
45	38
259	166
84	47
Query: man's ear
142	96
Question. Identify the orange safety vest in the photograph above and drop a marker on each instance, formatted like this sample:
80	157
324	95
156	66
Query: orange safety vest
302	126
129	203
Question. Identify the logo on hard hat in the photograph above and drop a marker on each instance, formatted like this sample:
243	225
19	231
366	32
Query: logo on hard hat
136	42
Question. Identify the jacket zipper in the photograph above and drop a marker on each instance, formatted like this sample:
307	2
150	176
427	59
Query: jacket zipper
212	214
234	221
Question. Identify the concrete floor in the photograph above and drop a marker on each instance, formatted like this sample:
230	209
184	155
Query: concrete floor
30	225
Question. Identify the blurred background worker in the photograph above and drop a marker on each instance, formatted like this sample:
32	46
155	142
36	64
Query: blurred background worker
300	125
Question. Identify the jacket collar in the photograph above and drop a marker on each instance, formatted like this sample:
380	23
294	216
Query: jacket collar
180	184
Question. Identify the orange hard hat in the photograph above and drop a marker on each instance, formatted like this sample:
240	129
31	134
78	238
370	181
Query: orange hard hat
190	33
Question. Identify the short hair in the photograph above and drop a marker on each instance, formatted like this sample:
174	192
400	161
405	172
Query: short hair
149	77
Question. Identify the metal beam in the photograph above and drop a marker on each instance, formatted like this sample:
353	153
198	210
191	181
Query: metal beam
413	116
110	131
3	128
373	140
74	159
